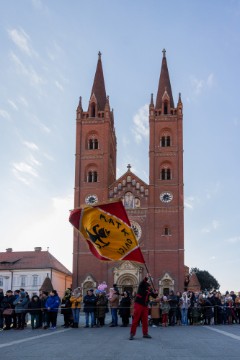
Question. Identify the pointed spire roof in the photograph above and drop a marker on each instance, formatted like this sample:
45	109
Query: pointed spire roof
98	88
46	285
164	84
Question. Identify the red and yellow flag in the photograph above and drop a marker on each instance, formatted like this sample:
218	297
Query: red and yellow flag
108	232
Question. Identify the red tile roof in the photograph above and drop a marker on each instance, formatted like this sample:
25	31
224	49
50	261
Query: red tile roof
19	260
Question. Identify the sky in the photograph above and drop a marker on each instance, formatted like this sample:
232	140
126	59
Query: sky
48	59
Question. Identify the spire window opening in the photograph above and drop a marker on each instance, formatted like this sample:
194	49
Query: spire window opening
92	176
166	174
93	110
165	108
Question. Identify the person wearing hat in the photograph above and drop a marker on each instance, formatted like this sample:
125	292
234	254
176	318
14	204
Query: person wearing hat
141	307
89	301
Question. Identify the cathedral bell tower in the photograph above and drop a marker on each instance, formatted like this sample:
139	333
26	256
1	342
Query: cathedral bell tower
166	213
95	164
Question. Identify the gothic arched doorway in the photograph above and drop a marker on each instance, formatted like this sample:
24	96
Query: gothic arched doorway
127	282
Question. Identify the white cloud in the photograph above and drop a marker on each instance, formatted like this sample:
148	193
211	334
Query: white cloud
212	227
141	127
205	230
51	229
198	85
4	114
212	257
30	145
24	168
34	78
23	101
215	224
49	157
37	4
33	161
12	103
233	240
44	128
189	202
22	40
210	80
59	86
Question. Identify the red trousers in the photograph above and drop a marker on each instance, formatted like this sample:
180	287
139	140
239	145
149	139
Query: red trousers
164	318
140	313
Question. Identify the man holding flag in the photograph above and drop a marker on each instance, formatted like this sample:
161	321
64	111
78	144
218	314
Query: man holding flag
110	237
141	307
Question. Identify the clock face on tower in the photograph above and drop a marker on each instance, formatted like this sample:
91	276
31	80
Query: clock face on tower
166	197
136	229
91	199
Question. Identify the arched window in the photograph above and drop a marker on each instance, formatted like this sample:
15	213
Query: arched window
166	231
92	144
165	141
166	174
92	176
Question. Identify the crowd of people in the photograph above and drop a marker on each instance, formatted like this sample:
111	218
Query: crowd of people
187	308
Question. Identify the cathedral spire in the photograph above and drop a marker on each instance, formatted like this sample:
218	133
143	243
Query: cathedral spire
98	88
164	84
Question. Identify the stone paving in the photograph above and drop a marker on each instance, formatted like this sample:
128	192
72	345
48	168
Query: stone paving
178	342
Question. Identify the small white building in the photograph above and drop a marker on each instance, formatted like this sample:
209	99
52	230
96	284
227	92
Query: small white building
28	270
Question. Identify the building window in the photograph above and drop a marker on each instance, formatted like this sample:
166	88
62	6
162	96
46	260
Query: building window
166	231
35	280
166	174
92	176
93	144
23	281
165	141
1	281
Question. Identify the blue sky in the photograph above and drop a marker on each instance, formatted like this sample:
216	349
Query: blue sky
48	59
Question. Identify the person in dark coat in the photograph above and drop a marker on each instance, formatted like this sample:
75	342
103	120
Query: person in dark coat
101	305
66	308
1	310
21	305
34	308
44	313
141	307
173	301
124	308
7	303
89	301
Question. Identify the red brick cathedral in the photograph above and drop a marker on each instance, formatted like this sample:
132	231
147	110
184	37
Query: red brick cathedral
155	209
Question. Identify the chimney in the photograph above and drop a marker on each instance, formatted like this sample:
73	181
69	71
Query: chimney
9	250
37	249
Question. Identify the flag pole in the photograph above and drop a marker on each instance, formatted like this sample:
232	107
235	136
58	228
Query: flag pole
150	277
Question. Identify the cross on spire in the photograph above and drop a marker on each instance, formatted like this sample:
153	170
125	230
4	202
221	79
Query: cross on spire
164	53
99	55
129	167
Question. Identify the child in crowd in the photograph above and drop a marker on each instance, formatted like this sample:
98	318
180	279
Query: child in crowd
165	307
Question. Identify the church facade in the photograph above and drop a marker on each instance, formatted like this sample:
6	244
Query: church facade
156	209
